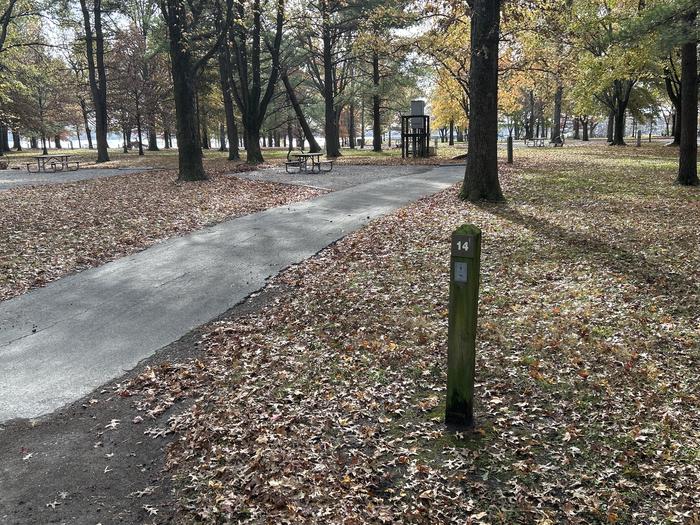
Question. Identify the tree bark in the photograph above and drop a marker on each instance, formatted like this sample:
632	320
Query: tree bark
352	134
362	125
301	118
225	81
621	93
222	137
376	109
555	134
253	151
688	158
15	141
189	148
331	121
88	131
452	132
481	174
94	44
531	127
152	137
139	134
673	89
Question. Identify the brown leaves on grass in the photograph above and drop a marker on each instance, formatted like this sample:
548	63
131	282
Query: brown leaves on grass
327	406
47	232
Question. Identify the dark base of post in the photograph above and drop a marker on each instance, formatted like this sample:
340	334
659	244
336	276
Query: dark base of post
460	418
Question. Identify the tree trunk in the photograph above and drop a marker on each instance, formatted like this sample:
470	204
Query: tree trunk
5	138
88	131
577	128
555	134
585	131
303	123
189	149
531	127
376	109
56	141
362	125
94	44
688	159
15	141
204	133
673	89
152	137
222	137
619	127
351	126
611	125
139	134
481	175
331	121
224	79
253	151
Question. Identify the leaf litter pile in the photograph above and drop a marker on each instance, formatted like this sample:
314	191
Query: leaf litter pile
327	405
47	232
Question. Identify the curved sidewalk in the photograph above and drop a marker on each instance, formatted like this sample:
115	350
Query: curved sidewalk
60	342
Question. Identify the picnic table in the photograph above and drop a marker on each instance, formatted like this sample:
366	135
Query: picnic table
535	143
53	163
302	162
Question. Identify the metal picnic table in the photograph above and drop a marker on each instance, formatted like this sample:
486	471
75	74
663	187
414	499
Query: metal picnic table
303	162
55	163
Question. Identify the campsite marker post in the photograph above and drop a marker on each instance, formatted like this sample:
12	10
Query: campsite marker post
464	298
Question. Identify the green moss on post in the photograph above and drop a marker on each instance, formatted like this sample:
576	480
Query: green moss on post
464	299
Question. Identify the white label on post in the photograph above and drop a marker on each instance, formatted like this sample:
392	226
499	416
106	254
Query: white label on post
460	272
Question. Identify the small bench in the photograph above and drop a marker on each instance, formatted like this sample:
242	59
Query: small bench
292	164
558	142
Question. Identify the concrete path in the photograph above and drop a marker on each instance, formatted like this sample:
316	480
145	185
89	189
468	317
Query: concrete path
14	178
60	342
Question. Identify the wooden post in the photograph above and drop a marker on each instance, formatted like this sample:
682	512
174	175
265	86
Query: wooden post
461	351
510	149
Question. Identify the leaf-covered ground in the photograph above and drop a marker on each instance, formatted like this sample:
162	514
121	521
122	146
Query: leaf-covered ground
327	406
47	232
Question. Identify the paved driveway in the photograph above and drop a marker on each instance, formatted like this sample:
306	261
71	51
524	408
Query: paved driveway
60	342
